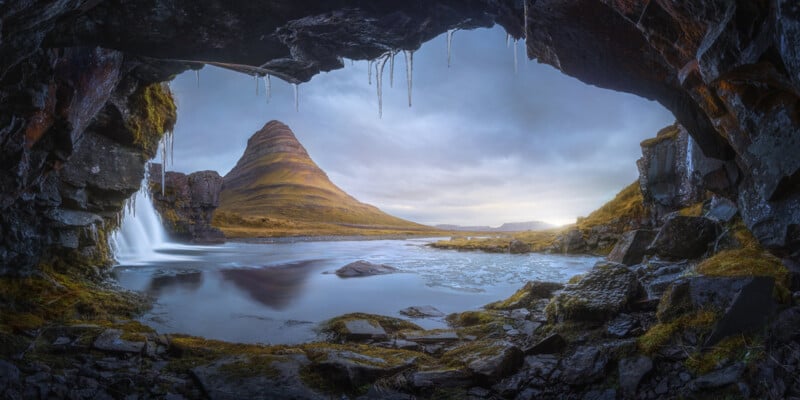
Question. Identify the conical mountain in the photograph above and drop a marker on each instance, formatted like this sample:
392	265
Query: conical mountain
276	185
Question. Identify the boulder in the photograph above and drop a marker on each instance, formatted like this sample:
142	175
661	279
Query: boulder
448	378
364	268
541	365
110	340
719	378
519	247
284	383
657	276
586	365
554	343
632	247
722	210
352	370
422	312
606	290
684	237
749	311
572	242
621	326
631	372
362	329
502	361
528	296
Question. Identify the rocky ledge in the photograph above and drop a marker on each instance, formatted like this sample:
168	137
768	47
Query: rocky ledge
186	203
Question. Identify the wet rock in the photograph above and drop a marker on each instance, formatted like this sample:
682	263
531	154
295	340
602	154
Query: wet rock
749	311
719	378
541	365
584	366
352	370
364	268
684	237
631	372
427	337
528	296
110	340
441	378
722	209
519	247
621	326
362	329
422	312
572	242
657	276
552	344
605	291
219	384
632	247
503	361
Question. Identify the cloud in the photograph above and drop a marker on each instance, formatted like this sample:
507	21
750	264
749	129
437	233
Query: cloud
480	145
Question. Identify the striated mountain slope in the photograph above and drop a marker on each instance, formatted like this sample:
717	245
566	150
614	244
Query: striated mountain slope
276	188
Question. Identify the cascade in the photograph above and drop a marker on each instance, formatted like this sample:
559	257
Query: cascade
140	233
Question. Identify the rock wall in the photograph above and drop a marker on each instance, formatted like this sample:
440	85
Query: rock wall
187	203
729	70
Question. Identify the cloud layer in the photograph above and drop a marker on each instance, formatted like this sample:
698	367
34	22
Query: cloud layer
480	146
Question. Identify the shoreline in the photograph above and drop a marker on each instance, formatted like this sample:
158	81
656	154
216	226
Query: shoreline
327	238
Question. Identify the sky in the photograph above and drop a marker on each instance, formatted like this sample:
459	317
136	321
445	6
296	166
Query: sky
481	144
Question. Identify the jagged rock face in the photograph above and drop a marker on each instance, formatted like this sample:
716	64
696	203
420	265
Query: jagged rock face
728	70
187	203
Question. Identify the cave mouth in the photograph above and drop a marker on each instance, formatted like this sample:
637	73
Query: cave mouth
490	138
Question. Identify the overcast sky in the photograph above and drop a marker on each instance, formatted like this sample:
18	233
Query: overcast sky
479	146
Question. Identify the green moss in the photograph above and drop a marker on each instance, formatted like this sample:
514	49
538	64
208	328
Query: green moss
575	279
251	366
735	348
668	133
749	261
660	334
152	113
464	354
336	326
694	210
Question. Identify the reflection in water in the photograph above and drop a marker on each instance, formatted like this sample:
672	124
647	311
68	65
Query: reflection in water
273	286
188	280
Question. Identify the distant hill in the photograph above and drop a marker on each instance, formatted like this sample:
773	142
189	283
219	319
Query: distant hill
507	227
276	189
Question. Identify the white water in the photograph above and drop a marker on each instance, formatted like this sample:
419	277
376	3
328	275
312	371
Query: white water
141	238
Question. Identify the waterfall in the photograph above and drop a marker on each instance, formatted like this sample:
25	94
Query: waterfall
141	234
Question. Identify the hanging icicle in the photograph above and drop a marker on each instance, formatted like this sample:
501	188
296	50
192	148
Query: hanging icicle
391	67
369	71
296	97
197	76
450	33
525	19
268	86
379	82
508	40
409	71
515	57
255	78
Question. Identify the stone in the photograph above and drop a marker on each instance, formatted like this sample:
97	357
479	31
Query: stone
520	314
529	328
110	340
621	326
353	369
719	378
528	296
631	372
632	247
600	394
684	237
440	379
722	210
553	343
657	276
426	337
363	268
362	329
786	326
586	365
422	312
518	247
606	290
502	362
749	311
218	384
187	203
9	375
541	365
572	242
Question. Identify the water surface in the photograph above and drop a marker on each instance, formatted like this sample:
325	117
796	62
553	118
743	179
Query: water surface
279	292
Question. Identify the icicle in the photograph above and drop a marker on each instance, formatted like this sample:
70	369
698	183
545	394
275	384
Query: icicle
508	40
197	76
340	59
352	62
369	71
391	68
163	167
296	97
255	78
409	71
379	83
515	56
450	33
525	19
268	86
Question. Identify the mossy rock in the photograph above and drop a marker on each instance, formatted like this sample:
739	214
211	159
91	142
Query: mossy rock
527	296
337	328
152	112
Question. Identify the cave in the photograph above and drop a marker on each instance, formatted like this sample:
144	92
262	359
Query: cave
84	108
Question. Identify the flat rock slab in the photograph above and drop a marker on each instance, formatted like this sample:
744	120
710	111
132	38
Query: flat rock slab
364	268
422	312
432	337
110	340
360	329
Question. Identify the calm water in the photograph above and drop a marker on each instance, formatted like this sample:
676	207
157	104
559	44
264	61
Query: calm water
278	293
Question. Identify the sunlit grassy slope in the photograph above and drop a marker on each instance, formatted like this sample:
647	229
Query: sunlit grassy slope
277	190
